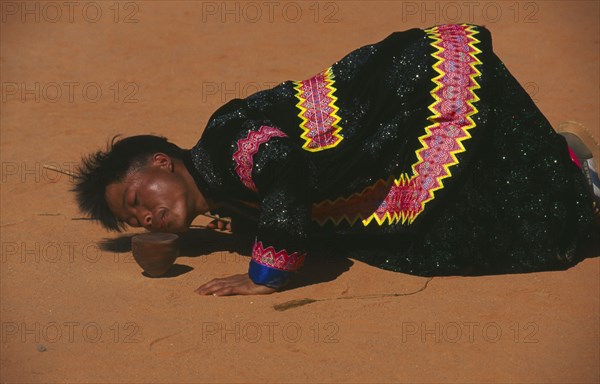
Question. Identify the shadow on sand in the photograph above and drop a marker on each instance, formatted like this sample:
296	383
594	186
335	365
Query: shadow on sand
198	242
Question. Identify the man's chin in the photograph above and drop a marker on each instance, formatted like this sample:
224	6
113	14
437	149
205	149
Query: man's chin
171	229
179	227
178	230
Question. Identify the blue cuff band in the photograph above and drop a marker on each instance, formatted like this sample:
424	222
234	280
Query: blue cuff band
271	277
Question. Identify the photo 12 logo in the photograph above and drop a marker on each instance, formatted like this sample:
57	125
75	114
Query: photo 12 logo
270	332
69	11
69	92
70	332
37	172
221	92
270	11
53	252
469	332
439	12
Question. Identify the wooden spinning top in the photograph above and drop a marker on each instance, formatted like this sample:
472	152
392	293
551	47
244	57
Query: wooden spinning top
155	252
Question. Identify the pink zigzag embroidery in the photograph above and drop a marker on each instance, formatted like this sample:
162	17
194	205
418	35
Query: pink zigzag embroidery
281	260
452	110
247	148
318	112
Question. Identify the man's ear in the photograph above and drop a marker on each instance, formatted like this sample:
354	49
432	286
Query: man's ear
162	160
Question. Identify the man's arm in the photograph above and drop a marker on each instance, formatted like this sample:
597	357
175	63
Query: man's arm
275	170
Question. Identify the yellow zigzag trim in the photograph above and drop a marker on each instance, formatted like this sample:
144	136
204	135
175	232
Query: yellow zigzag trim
404	178
328	75
435	36
346	200
391	218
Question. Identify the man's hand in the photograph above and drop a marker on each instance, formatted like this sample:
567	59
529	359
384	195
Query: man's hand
233	285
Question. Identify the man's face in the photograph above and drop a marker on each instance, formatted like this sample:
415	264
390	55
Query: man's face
154	197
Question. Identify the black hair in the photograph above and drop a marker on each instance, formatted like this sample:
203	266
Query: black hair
102	168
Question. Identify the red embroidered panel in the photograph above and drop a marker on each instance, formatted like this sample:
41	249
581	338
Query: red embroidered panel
281	260
320	121
404	198
247	148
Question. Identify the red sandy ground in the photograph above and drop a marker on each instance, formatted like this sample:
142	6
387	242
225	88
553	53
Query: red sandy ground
100	320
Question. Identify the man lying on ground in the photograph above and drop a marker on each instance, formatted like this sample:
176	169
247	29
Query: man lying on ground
420	154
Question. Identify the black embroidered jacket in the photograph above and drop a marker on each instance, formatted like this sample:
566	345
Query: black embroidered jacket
420	153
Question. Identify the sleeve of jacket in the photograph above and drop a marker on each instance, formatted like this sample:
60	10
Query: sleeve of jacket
268	163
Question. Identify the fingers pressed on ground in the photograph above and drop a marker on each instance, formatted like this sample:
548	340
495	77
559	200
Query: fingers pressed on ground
207	288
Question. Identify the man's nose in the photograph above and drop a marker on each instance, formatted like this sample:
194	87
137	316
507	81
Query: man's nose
145	219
